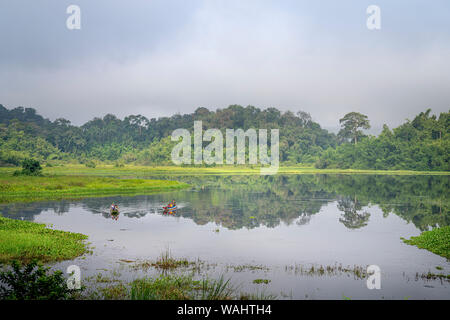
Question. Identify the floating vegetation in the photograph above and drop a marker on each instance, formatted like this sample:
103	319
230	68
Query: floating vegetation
358	272
436	241
261	281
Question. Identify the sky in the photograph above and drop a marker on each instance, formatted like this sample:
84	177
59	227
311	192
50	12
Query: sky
158	58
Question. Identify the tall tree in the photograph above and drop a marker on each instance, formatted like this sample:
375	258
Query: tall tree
351	123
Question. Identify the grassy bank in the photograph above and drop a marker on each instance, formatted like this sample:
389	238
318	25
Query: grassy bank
54	187
79	181
436	241
25	241
143	171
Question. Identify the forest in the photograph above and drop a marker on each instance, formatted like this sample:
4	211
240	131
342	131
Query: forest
421	144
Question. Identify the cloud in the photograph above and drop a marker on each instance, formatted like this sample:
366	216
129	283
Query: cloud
223	52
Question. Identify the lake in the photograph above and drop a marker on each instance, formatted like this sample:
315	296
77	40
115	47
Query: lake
282	228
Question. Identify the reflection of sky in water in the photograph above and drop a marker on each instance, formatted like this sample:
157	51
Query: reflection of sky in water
309	235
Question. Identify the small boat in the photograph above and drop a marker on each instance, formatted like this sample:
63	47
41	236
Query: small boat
170	210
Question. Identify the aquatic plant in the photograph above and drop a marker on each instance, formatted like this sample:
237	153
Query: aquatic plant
216	289
180	288
359	272
260	281
436	241
26	241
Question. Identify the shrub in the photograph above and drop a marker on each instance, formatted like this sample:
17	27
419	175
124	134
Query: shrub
90	164
33	282
30	167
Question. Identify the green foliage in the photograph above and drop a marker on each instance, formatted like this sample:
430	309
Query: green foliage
143	141
351	123
422	144
33	282
90	164
17	145
30	167
436	241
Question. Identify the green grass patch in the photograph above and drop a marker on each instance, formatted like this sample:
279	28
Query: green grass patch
55	187
25	241
436	241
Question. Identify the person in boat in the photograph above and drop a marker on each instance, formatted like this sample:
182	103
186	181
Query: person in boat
114	211
171	204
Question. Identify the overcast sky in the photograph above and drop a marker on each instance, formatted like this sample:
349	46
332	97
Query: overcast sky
157	58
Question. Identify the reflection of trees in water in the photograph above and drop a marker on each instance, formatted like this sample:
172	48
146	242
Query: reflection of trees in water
27	211
303	219
353	216
422	200
251	201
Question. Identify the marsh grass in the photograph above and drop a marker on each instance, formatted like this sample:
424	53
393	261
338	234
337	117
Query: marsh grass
166	287
164	262
246	267
25	241
260	295
358	272
433	276
181	288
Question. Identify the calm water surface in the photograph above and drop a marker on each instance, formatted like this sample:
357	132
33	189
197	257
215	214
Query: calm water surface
253	227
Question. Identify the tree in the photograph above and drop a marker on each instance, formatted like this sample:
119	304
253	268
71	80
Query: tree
351	123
